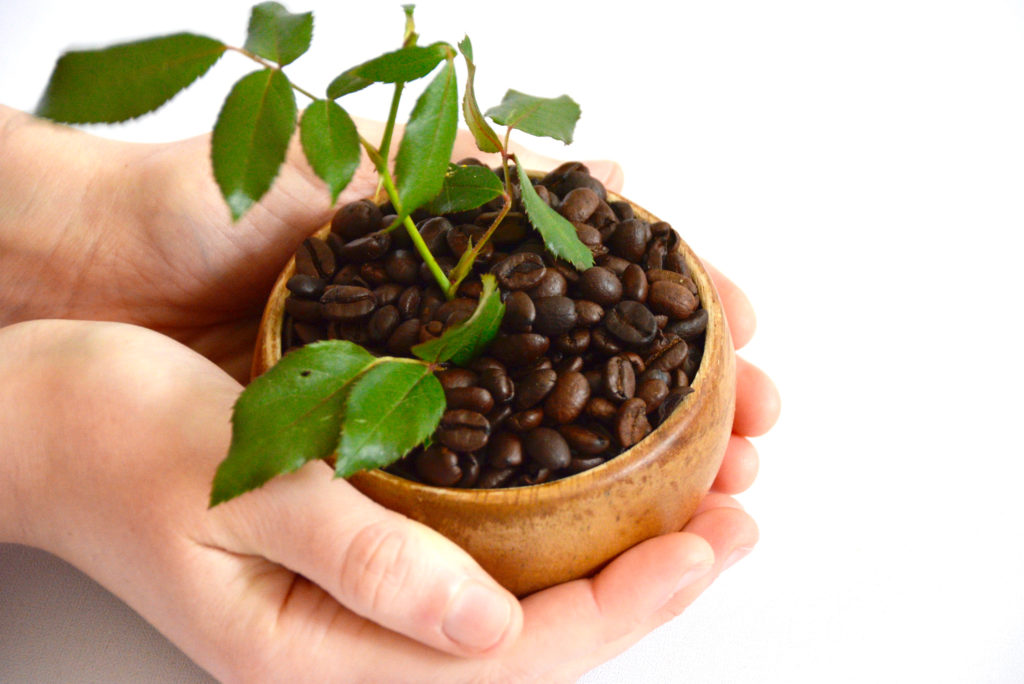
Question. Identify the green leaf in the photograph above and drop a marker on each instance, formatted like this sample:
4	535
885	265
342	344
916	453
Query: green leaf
552	117
465	188
277	34
345	83
124	81
559	235
426	147
331	143
391	408
288	416
403	65
251	136
486	139
462	343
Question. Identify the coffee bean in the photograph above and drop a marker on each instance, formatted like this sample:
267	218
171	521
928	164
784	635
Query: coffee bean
655	256
471	398
631	322
603	342
656	274
551	284
600	285
603	216
305	286
349	275
345	302
305	310
634	283
577	179
547	447
505	451
519	349
520	271
404	337
382	323
519	312
670	356
614	264
656	374
387	293
690	327
571	364
555	315
482	364
619	379
672	401
692	362
315	259
568	397
674	261
498	383
574	342
470	466
631	423
591	237
498	415
540	476
629	240
438	466
579	204
588	313
584	441
373	272
525	420
367	248
460	237
463	430
356	219
402	266
491	478
679	378
308	332
471	289
434	232
532	389
450	378
430	330
672	299
623	210
601	409
409	302
455	311
653	392
579	465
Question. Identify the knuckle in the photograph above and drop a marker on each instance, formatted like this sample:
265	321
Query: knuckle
377	565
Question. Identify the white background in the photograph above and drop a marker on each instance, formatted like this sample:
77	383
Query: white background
858	167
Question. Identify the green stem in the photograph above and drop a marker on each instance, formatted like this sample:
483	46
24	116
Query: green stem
271	65
504	163
389	127
459	272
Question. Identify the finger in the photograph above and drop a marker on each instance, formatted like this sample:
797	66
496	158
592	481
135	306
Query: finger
377	563
738	310
739	467
757	401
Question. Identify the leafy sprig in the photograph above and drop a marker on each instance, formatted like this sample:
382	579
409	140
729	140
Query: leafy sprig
335	400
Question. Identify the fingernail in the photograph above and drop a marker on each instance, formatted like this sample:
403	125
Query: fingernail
736	555
692	575
477	616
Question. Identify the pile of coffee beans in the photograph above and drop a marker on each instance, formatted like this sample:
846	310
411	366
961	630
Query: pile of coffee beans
586	363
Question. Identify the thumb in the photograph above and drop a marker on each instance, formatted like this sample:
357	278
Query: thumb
377	563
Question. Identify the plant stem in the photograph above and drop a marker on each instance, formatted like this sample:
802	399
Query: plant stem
389	127
504	163
271	65
459	273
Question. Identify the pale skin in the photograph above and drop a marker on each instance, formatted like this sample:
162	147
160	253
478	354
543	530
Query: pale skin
129	302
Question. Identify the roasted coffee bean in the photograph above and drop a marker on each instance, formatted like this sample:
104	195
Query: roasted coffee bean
455	311
588	313
601	409
471	398
463	430
470	289
497	382
555	315
672	401
306	310
573	342
603	216
679	378
690	327
406	335
492	478
349	275
382	323
637	361
446	264
619	379
605	343
519	349
307	287
591	237
655	256
661	320
402	266
532	389
520	271
345	302
567	399
600	285
409	302
584	441
438	466
308	332
624	210
540	476
387	293
577	179
450	378
367	248
672	299
567	270
655	374
613	263
482	364
578	465
579	204
571	364
551	284
653	392
594	376
547	447
674	261
470	466
560	171
430	330
631	322
670	356
505	451
631	424
354	330
316	259
356	219
512	229
692	362
634	283
434	232
544	363
629	240
374	273
498	415
519	313
525	420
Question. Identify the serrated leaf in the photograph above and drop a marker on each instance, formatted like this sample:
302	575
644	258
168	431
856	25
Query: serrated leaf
486	139
250	138
345	83
331	144
559	235
403	65
465	188
277	34
390	409
288	416
124	81
552	117
462	343
426	147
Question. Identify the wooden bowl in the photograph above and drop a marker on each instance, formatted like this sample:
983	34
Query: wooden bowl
529	538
